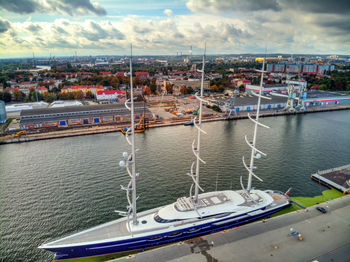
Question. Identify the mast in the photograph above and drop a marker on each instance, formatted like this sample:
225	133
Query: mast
133	167
196	149
130	159
255	153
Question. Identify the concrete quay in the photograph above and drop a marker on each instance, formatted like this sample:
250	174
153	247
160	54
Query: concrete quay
325	237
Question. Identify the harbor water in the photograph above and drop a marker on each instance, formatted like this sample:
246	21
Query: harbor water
54	187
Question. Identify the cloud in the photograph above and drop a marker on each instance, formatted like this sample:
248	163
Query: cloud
34	28
68	7
80	7
167	35
19	6
311	6
338	25
168	12
232	5
4	26
319	6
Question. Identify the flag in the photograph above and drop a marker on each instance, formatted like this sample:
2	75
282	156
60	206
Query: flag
288	191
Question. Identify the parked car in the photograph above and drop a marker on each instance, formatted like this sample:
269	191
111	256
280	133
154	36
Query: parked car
321	209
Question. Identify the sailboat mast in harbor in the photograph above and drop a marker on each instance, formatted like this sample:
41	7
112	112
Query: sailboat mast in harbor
196	150
130	159
255	153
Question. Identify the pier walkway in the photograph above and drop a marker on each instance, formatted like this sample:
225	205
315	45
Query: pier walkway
325	237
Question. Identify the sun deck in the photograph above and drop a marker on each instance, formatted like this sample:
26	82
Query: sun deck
186	204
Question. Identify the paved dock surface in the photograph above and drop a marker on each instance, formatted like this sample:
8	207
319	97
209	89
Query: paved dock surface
326	237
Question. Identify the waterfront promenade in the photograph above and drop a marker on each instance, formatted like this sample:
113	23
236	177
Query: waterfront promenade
325	237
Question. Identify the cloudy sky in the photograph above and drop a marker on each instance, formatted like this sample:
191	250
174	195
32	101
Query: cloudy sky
97	27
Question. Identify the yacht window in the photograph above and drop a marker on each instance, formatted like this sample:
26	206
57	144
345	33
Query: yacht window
174	234
155	238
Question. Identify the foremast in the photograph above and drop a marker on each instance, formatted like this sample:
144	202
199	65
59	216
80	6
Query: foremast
196	148
130	160
255	153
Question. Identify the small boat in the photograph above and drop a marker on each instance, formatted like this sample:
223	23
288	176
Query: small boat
188	217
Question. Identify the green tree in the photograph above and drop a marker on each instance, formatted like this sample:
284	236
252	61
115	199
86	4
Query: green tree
89	94
153	88
49	97
18	96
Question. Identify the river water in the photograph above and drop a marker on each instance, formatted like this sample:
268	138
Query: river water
54	187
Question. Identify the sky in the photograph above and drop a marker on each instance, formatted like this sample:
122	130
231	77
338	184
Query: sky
165	27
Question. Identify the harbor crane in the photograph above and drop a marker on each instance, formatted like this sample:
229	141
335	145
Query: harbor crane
295	97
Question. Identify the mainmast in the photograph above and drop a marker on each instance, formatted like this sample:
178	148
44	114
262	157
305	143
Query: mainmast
255	153
196	149
130	159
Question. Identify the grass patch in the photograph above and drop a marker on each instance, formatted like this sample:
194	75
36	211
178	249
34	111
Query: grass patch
311	201
327	195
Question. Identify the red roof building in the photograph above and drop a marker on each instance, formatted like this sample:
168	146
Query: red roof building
108	95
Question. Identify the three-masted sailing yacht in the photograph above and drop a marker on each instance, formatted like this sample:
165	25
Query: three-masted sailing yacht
188	217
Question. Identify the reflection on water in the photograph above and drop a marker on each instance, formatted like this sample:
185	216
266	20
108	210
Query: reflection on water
54	187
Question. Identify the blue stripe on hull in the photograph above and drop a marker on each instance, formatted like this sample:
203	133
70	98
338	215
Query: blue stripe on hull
145	242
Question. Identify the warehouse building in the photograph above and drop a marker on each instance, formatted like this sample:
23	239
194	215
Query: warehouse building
62	117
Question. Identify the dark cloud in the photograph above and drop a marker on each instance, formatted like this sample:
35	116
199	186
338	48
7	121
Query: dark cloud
19	6
338	26
98	33
59	30
70	7
233	5
4	26
77	6
34	28
312	6
319	6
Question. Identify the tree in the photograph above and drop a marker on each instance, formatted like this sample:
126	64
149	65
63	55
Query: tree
78	94
169	88
189	90
153	88
146	91
18	96
89	94
49	97
183	90
34	95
